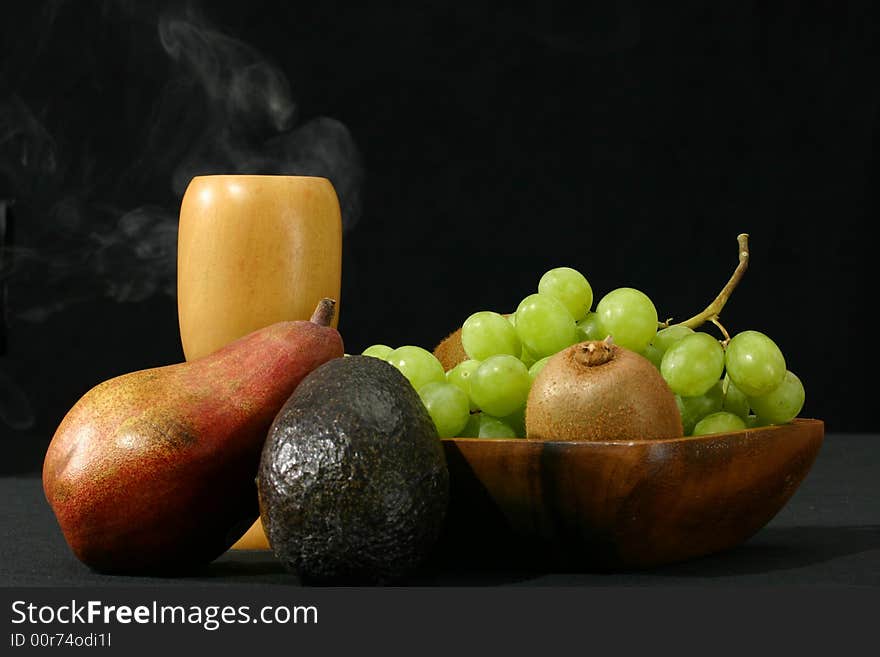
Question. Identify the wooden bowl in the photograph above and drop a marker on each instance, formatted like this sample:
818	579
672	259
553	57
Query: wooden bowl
621	504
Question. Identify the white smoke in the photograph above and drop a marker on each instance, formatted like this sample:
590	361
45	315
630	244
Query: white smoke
223	107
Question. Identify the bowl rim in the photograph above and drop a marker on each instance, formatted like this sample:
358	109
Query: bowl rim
708	438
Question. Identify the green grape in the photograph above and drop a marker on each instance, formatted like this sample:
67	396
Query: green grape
720	422
754	363
527	358
517	422
694	409
590	328
482	425
754	422
500	385
734	400
687	422
472	428
783	403
536	368
629	317
667	337
379	351
544	325
418	365
485	334
693	364
460	376
493	427
570	287
652	354
448	407
511	318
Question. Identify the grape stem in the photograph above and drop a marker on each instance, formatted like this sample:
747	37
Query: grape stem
713	310
721	328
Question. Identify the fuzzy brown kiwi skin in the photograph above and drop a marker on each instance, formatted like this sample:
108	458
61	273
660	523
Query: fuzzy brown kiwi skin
600	391
450	351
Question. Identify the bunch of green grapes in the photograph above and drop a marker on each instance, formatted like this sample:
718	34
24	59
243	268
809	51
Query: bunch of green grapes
485	395
719	385
727	385
480	398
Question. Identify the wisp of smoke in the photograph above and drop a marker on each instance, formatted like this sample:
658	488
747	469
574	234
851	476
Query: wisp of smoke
240	84
224	108
247	127
246	124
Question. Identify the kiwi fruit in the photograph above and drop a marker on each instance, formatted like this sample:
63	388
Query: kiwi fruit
450	352
600	391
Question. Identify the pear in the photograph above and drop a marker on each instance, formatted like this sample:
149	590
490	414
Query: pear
154	470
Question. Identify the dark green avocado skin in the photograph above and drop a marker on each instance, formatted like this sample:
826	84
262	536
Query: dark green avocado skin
353	481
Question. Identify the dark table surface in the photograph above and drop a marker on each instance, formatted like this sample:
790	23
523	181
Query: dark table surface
828	534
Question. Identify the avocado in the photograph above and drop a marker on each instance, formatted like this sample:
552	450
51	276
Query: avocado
353	483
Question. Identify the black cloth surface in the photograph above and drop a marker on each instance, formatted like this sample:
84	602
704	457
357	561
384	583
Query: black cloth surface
828	534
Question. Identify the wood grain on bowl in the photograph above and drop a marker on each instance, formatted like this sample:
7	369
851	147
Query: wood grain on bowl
621	504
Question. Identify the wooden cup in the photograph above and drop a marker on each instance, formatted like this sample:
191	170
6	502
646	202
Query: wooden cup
252	251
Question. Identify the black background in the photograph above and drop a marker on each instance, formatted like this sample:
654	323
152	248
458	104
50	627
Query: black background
631	141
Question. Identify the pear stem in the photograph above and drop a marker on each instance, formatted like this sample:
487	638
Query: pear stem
713	310
323	314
